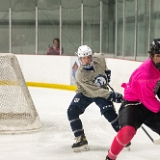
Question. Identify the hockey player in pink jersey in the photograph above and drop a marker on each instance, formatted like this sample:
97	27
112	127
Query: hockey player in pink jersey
141	105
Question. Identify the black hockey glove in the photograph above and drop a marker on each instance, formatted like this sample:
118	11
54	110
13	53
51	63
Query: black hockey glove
116	97
108	74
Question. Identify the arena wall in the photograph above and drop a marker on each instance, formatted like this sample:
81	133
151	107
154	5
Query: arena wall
58	71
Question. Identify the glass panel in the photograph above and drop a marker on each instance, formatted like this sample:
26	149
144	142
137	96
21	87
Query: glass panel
108	27
155	20
4	31
48	24
23	5
119	27
105	29
5	5
142	32
92	25
111	27
4	26
71	26
23	26
91	3
129	29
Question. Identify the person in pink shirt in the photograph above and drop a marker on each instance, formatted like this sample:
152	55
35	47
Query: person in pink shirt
55	48
141	103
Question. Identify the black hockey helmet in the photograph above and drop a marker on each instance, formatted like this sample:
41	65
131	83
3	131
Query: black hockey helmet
155	46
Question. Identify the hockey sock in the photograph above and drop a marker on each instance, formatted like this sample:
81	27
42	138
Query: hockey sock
112	117
75	122
123	137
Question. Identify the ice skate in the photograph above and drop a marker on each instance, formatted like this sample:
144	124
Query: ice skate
81	144
107	158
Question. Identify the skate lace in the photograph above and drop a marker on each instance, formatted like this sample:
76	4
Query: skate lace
78	139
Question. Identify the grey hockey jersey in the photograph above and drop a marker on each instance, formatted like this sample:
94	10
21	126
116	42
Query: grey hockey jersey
85	79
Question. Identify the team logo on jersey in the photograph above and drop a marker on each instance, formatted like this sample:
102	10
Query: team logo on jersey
76	100
100	80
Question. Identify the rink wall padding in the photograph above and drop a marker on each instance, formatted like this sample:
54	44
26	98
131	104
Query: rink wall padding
59	71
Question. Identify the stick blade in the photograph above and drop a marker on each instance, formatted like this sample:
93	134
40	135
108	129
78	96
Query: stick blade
157	141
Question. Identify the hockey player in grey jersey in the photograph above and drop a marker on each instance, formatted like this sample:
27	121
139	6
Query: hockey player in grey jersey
91	78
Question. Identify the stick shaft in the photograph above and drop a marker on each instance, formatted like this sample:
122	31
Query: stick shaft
147	134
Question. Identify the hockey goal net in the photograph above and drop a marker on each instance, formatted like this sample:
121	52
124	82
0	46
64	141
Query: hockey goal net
17	111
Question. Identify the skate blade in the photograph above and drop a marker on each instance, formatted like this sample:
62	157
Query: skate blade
128	148
80	149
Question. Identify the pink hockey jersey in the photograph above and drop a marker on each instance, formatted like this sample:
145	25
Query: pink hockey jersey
143	86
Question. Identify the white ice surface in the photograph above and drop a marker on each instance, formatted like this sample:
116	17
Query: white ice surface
55	140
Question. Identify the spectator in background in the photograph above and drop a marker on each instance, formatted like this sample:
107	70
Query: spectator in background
55	48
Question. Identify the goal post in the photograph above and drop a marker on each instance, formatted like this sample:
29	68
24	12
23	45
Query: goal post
17	111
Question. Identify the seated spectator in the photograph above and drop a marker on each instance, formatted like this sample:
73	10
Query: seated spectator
55	48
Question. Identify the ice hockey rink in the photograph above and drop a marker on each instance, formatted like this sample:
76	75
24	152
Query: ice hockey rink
54	141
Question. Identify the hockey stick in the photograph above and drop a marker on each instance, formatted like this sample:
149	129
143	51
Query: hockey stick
154	141
128	147
110	87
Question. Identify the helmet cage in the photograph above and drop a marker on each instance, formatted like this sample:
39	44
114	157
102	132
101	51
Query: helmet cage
84	53
86	66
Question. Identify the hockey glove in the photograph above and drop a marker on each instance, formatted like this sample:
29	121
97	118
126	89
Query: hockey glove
108	74
116	97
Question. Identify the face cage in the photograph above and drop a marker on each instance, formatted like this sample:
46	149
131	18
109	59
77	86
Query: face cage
86	66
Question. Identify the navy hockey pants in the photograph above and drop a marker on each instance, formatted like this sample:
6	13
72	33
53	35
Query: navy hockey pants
78	106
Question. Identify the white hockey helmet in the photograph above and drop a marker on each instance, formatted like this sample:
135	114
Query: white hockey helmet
84	51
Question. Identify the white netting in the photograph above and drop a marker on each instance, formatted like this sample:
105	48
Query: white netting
17	111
